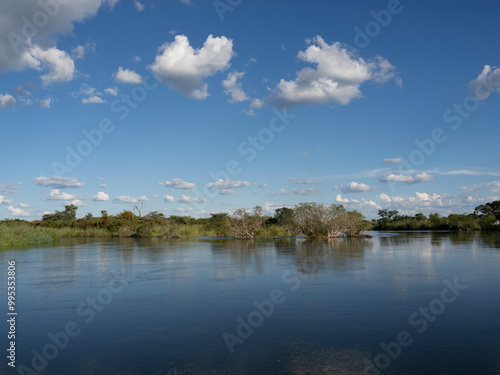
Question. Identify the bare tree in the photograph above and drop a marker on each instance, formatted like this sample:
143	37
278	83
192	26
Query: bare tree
244	225
138	208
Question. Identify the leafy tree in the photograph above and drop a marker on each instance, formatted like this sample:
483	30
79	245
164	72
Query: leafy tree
127	215
218	222
285	217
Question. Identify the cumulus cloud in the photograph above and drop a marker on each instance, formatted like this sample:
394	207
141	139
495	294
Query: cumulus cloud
284	192
184	68
113	91
407	179
4	200
17	211
384	198
61	67
57	195
34	46
355	187
58	182
168	198
24	205
393	161
7	101
178	183
127	76
339	199
93	100
128	199
188	199
233	89
487	81
336	78
227	184
308	191
100	197
261	186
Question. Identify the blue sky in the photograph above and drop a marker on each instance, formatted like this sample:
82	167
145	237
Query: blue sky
195	107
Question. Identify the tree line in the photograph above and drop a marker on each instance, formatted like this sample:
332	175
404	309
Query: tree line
485	217
312	220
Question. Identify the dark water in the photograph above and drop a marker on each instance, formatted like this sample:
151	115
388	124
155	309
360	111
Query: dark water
160	306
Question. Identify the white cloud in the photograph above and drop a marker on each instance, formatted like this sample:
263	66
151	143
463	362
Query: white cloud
40	50
17	211
136	59
4	200
228	192
101	197
58	182
407	179
393	161
168	198
104	186
93	100
77	202
80	51
186	2
9	189
493	187
469	172
284	192
261	186
257	103
128	199
487	81
303	181
61	67
339	199
185	68
308	191
336	78
178	183
86	90
57	195
355	187
127	76
7	101
113	91
384	198
24	205
227	184
233	88
188	199
138	6
41	103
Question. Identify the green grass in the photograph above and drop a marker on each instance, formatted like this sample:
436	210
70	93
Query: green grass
25	234
68	232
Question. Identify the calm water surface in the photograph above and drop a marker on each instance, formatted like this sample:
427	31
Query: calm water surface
158	306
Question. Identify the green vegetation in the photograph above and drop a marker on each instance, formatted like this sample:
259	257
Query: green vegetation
309	219
21	233
485	217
